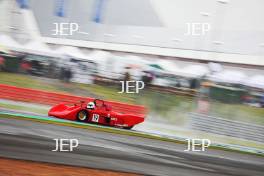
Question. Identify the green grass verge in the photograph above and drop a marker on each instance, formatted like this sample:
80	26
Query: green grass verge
24	108
108	93
25	81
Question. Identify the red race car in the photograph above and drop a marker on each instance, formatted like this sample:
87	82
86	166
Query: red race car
95	112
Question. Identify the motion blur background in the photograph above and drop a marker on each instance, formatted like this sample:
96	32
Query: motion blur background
209	85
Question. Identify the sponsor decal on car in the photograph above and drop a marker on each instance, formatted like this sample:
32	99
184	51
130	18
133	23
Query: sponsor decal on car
95	118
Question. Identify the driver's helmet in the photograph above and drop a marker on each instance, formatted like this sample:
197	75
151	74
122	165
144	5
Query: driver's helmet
90	105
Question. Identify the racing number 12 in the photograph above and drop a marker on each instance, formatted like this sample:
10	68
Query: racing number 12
95	118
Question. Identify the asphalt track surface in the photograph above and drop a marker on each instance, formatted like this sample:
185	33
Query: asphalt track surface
29	140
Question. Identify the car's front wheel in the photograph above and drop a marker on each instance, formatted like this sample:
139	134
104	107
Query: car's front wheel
82	116
128	128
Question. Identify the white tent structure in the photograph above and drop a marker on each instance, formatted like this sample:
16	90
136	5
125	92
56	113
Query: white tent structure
229	76
167	66
10	43
136	60
194	71
116	66
105	62
39	48
256	81
215	67
99	54
113	66
80	64
136	63
71	51
191	71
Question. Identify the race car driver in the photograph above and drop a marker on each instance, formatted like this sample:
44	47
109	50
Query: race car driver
91	106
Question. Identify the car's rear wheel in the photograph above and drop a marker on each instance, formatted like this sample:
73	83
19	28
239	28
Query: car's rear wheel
82	116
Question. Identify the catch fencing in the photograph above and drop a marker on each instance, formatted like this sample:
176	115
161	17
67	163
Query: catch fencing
226	127
52	98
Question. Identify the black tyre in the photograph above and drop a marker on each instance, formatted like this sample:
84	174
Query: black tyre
82	116
128	128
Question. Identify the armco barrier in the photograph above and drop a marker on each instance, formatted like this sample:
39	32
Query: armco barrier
226	127
52	98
